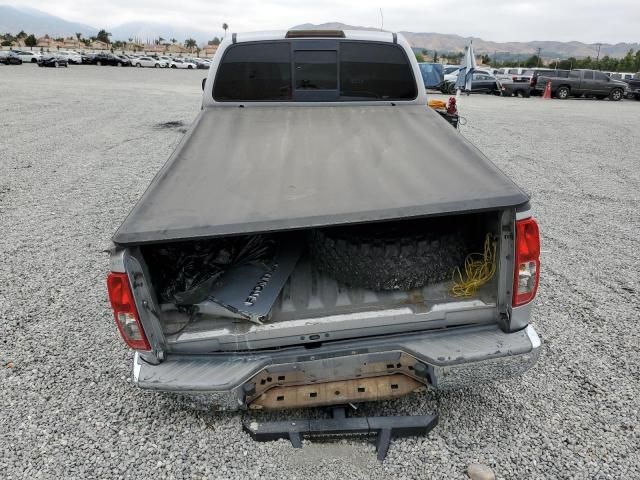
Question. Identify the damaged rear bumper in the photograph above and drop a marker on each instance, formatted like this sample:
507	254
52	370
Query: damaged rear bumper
441	359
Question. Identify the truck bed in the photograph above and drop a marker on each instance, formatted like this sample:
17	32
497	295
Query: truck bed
382	163
313	306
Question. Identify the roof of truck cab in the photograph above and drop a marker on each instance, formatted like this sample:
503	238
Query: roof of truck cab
370	35
256	169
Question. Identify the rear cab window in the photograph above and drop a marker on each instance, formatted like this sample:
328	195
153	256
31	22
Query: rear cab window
312	70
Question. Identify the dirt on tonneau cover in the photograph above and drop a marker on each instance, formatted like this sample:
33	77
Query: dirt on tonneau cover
258	169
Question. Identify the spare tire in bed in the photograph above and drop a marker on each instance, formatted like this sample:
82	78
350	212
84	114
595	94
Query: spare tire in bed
389	256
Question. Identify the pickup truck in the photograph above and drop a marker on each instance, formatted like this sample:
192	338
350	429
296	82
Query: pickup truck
305	243
634	88
580	83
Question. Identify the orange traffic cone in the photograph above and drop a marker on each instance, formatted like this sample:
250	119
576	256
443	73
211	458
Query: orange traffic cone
547	90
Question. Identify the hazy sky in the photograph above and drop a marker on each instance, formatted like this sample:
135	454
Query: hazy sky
500	20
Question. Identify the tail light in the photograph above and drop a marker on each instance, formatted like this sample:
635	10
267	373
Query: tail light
527	262
515	79
125	313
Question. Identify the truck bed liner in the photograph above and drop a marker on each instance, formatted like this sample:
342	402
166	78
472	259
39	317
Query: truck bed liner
382	163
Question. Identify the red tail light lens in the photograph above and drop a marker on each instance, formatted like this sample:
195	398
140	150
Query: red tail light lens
125	313
527	262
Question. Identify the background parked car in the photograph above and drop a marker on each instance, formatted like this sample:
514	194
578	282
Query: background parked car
634	87
10	58
166	60
204	64
126	62
72	57
28	57
179	63
515	74
621	75
538	88
107	59
591	83
483	82
447	69
509	88
149	62
53	61
478	82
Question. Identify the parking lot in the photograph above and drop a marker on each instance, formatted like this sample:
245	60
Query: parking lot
78	146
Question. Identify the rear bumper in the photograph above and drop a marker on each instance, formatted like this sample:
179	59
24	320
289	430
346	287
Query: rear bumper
441	359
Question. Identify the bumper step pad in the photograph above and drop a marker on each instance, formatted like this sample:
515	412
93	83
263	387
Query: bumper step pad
340	426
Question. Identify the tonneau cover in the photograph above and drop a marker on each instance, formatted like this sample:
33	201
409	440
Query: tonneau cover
243	170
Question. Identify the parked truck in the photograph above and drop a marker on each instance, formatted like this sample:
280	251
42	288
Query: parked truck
305	243
578	83
634	87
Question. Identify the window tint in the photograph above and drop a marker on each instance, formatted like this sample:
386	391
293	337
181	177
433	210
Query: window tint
269	71
316	70
255	72
562	73
601	76
375	71
574	74
513	71
587	75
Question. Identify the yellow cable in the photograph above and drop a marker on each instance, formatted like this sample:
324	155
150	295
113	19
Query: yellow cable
479	268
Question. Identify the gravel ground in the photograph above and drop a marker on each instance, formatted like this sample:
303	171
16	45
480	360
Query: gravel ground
77	148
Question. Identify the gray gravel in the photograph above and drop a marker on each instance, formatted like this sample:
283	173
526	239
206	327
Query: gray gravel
77	148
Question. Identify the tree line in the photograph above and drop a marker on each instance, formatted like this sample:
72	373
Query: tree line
103	35
629	63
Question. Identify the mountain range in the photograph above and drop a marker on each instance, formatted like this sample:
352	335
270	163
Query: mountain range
450	43
14	19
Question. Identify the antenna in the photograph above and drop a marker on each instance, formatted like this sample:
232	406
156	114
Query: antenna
381	20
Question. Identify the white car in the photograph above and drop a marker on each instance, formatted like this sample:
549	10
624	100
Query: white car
28	57
166	60
72	57
453	76
149	62
178	63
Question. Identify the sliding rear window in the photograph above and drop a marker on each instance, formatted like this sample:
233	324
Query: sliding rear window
304	71
255	72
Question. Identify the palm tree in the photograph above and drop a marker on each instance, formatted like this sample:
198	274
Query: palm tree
78	35
173	40
225	27
190	43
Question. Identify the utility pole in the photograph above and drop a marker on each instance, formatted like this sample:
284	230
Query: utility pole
598	56
539	50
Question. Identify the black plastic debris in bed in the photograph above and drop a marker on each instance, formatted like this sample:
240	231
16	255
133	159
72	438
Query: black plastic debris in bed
236	277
